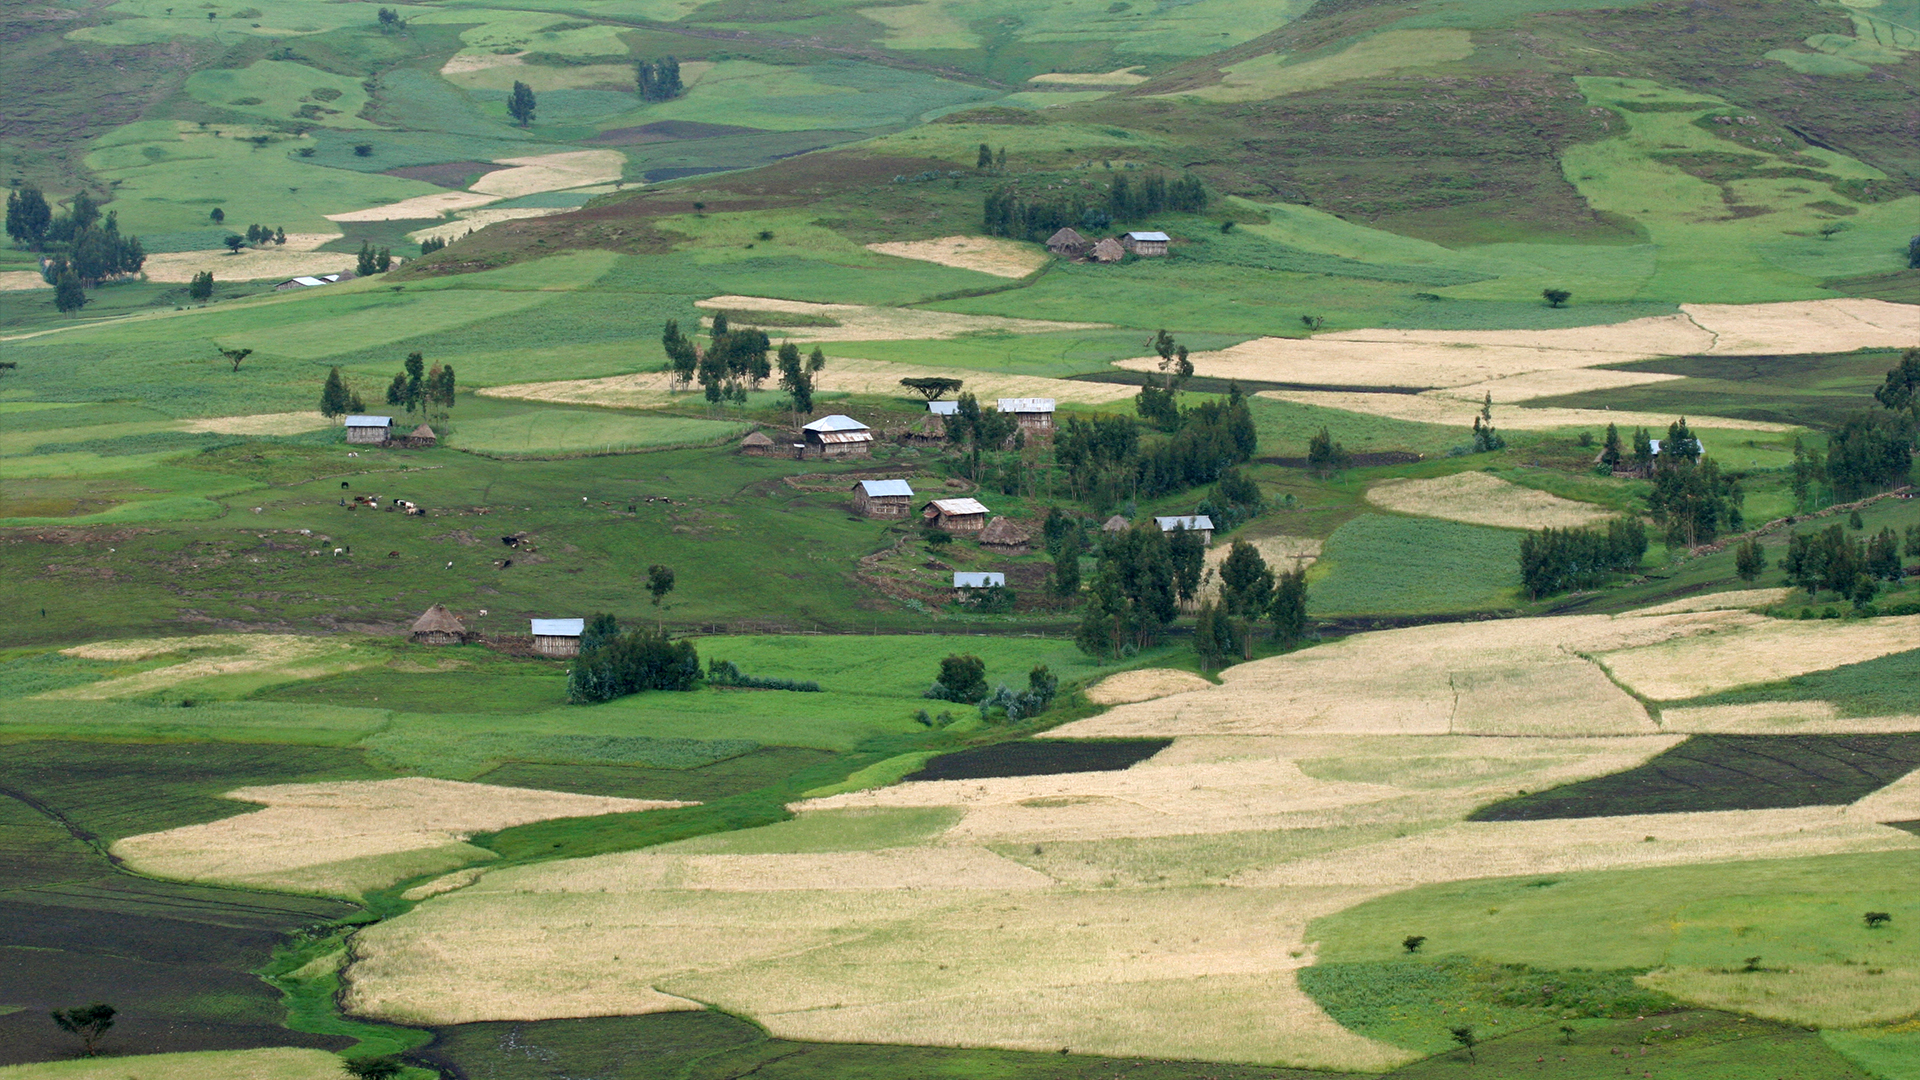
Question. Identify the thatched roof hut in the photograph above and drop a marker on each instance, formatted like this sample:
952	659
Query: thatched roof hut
1001	534
1107	251
437	626
1068	243
1116	523
757	444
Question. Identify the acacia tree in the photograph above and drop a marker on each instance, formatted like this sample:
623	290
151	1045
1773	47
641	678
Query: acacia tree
521	103
933	389
89	1023
234	356
1556	297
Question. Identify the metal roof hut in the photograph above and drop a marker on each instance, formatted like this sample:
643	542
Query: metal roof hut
1068	244
956	515
1194	523
420	438
883	498
437	626
1002	535
1116	524
836	436
369	429
1033	414
757	444
557	637
1146	244
1107	251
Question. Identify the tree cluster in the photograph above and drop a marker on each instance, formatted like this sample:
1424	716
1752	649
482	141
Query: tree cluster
796	375
1694	502
1869	452
962	679
338	399
734	359
1157	402
417	387
657	80
91	249
976	429
432	244
1042	685
621	663
1025	215
262	234
391	21
1562	560
1485	438
1105	458
201	287
369	261
1831	561
1250	592
1325	454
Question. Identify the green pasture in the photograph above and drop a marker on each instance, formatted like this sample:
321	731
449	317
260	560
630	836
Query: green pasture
797	98
280	90
896	666
1377	565
539	432
148	22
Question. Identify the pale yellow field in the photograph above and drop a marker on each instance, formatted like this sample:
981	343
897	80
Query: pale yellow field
846	374
985	254
1828	995
1765	650
1341	361
540	77
1537	384
862	323
1807	326
551	172
22	280
291	423
260	652
1721	601
1143	684
1271	76
335	837
296	258
472	221
276	1063
924	25
438	204
1126	76
1446	410
446	883
1479	498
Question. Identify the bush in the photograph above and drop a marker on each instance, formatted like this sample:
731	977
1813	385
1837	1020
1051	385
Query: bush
724	673
631	662
963	679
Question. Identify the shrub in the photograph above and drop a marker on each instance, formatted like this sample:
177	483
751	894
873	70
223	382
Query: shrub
631	662
725	673
963	679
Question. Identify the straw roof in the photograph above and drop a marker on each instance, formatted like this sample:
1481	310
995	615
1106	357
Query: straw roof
1116	523
1108	250
423	432
756	439
438	619
1003	531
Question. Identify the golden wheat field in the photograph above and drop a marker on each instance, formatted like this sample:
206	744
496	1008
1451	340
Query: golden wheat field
1760	651
1452	411
1720	601
291	423
1143	684
859	322
1480	498
274	1063
984	254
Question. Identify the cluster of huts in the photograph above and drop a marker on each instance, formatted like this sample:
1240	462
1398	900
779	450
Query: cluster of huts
551	637
378	431
1069	244
895	498
840	436
1193	523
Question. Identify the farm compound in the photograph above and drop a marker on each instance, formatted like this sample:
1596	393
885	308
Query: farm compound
438	626
1107	251
883	498
1034	414
369	429
1196	523
836	436
557	637
956	515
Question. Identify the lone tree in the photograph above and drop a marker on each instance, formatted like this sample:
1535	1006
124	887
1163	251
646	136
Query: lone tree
1556	297
1877	919
1325	456
234	356
68	296
521	103
796	380
659	581
217	215
373	1068
1749	561
933	389
963	678
89	1023
234	242
1412	942
333	395
985	158
1464	1036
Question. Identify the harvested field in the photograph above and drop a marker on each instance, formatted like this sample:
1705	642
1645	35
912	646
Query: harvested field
250	264
1823	995
291	423
461	63
447	174
857	322
1735	599
1044	758
279	1063
1729	772
1143	684
1448	411
1762	651
550	172
1807	326
985	254
1537	384
843	374
420	206
342	838
1479	498
1126	76
472	221
1334	361
257	653
21	280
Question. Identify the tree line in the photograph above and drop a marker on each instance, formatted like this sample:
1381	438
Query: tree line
735	361
1563	560
1034	215
1831	561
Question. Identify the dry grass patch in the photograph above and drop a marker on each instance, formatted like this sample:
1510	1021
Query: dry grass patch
843	374
859	322
551	172
1144	684
1336	361
22	280
1721	601
472	221
1826	995
1126	76
252	264
1898	801
1759	651
1807	326
1449	411
1535	384
438	204
275	1063
287	423
336	837
257	652
1656	335
984	254
1479	498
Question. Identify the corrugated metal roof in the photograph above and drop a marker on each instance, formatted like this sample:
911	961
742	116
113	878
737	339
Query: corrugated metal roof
877	488
1189	522
369	421
1655	444
959	506
836	422
1160	236
308	281
943	408
963	579
558	627
838	437
1026	404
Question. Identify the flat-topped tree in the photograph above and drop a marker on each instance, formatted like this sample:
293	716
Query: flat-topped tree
933	389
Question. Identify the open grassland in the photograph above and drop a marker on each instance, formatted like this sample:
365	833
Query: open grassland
1380	564
1477	498
557	432
345	838
1450	411
284	1063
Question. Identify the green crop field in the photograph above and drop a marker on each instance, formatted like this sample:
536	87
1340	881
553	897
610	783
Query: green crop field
1376	565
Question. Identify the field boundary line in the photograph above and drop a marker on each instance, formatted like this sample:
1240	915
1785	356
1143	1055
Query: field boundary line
1651	707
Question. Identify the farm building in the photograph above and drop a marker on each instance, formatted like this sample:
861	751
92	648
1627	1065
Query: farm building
965	579
420	438
837	436
883	498
1655	444
1116	524
1031	413
312	282
557	637
369	429
925	432
943	408
437	626
1195	523
1068	244
956	515
1107	250
1002	535
1146	244
757	444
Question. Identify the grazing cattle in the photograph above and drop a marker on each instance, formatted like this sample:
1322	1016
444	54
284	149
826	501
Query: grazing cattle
505	564
339	551
393	554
